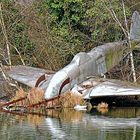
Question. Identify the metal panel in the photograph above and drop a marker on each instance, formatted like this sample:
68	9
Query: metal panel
101	65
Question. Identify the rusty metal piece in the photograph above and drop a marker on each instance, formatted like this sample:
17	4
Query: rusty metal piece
63	84
13	112
43	102
12	102
40	79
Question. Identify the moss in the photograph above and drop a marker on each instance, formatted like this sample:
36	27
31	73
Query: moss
113	58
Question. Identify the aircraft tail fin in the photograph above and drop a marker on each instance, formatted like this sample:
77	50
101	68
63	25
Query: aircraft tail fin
135	27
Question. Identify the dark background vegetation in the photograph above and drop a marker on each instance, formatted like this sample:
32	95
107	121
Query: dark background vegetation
48	33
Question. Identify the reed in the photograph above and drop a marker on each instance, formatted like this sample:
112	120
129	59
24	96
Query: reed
102	107
69	100
20	93
36	95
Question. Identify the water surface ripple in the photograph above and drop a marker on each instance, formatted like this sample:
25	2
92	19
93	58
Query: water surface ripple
115	124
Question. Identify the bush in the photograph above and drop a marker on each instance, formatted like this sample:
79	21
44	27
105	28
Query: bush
49	33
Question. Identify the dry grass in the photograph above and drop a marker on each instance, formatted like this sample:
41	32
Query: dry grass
102	110
20	93
67	100
70	100
102	107
36	95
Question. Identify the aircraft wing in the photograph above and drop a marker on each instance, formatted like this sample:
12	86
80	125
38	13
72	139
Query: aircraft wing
112	88
29	75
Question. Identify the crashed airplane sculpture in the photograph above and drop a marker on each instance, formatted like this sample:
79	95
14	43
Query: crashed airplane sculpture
84	65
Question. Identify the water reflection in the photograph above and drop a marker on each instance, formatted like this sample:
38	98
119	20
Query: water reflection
68	124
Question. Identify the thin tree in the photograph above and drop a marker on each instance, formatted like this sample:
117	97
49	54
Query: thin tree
126	33
7	41
129	43
5	35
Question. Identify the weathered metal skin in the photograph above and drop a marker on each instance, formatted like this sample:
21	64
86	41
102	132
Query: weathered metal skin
85	65
96	62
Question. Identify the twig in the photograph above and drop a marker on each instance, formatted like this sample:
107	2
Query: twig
113	14
6	38
19	55
129	44
5	34
3	74
7	79
126	33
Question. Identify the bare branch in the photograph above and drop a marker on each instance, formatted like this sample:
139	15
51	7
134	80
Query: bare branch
129	43
114	16
5	35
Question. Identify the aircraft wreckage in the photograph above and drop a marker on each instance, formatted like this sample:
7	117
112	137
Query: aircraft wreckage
76	76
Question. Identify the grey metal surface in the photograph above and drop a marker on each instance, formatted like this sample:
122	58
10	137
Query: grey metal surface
85	65
135	27
94	63
111	88
27	75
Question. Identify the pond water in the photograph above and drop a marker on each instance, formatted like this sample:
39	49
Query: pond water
115	124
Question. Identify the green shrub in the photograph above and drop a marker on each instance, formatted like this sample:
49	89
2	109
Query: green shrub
49	33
